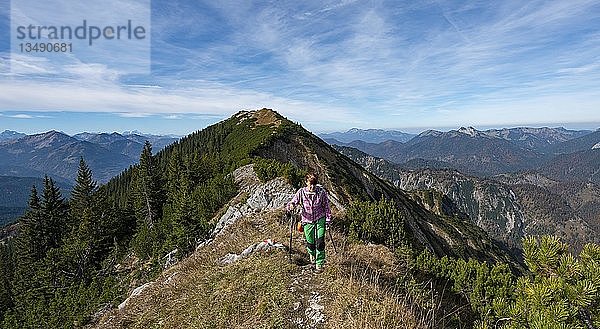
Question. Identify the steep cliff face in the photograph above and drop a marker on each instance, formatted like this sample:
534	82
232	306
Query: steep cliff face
491	206
508	212
580	198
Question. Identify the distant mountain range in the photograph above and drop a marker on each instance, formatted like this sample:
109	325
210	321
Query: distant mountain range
491	152
57	154
368	135
9	134
25	159
508	207
130	144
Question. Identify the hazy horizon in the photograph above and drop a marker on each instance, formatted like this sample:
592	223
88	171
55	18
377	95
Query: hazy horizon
592	126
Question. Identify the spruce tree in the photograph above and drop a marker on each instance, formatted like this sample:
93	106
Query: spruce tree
148	187
31	245
84	188
54	212
179	210
31	242
84	244
147	203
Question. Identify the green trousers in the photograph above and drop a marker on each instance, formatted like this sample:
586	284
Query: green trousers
315	240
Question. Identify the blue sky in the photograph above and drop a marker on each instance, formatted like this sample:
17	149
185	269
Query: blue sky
330	65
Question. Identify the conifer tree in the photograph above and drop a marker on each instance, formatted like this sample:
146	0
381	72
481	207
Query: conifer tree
31	245
6	275
84	188
179	210
561	292
31	241
54	212
147	202
86	244
148	187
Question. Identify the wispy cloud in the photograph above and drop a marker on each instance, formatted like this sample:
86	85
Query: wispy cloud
344	63
134	114
21	116
123	53
24	116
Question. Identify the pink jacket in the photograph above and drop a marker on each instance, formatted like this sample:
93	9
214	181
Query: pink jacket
315	210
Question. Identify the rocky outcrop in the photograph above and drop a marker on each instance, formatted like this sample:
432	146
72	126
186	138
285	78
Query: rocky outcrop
136	292
253	197
263	246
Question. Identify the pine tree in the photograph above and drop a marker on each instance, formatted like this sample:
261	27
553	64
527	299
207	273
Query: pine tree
84	246
54	212
31	243
147	203
561	292
84	188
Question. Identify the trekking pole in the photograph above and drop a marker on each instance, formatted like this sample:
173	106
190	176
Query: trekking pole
291	218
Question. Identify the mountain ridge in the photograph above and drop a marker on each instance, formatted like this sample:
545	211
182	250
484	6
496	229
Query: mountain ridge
368	135
497	206
254	215
57	154
481	153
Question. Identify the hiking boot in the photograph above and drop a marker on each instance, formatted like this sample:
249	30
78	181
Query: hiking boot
312	259
318	268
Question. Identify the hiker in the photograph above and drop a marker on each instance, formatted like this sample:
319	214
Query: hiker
316	216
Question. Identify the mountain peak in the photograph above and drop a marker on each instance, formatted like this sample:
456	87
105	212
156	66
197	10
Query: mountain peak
263	117
51	134
10	135
430	133
131	132
48	139
10	132
468	131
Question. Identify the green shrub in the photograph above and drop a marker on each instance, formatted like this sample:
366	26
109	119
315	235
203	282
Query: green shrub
267	169
377	222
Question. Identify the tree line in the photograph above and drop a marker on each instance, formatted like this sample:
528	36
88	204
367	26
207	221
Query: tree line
64	264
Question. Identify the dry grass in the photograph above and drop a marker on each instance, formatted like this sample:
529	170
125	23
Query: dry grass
363	293
359	287
201	293
266	117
